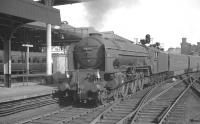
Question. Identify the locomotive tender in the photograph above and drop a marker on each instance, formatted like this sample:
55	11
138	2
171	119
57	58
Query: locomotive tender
102	68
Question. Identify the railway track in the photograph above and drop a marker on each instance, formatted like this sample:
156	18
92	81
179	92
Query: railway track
115	112
65	115
163	108
123	111
12	107
156	104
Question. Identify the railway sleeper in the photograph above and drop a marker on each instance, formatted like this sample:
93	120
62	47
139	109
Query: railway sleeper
165	102
152	109
172	122
51	118
122	109
114	115
129	103
145	123
86	118
156	106
119	113
145	120
133	100
174	119
176	116
43	122
127	106
180	106
66	114
79	121
148	114
105	123
177	110
149	118
177	113
110	121
110	117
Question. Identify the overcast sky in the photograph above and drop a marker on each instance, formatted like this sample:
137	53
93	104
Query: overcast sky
167	21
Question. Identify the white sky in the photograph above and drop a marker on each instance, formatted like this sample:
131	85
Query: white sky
167	21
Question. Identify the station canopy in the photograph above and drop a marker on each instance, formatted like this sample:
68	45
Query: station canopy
35	33
62	2
29	14
18	12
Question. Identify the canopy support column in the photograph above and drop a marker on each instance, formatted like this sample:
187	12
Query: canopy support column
6	38
49	53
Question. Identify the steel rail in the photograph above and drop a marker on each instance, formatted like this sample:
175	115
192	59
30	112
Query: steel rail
12	107
140	104
137	112
164	116
152	99
106	111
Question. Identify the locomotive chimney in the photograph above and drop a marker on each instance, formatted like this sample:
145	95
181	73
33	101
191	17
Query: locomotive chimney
184	39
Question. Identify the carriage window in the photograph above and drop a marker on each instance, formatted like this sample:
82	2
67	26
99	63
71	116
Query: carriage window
156	55
40	60
43	60
19	61
31	60
35	60
13	59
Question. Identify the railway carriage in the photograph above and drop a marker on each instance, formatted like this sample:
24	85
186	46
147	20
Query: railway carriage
178	64
194	63
37	62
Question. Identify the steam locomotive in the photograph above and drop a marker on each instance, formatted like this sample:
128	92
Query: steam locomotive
104	68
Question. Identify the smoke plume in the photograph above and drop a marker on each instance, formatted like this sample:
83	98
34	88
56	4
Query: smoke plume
97	9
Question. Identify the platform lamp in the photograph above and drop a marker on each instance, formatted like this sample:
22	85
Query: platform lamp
27	58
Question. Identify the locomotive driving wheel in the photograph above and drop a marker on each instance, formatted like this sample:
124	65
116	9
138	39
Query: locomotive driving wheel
133	86
102	97
116	93
124	91
140	84
140	81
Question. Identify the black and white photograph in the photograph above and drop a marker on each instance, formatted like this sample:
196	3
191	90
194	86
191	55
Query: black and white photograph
99	62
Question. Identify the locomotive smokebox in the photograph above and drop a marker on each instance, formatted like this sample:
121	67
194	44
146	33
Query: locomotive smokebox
89	53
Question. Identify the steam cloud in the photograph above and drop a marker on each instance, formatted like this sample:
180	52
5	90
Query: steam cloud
97	9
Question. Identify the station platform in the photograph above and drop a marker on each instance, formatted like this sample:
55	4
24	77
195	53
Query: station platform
25	90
